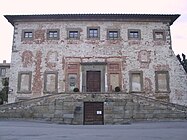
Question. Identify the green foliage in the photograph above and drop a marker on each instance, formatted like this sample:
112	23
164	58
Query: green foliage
183	62
4	91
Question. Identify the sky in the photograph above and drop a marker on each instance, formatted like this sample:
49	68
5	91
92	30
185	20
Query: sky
24	7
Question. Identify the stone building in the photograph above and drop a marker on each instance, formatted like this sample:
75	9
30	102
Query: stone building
95	53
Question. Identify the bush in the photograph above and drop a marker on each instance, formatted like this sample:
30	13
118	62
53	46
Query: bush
76	90
117	89
1	100
183	62
4	91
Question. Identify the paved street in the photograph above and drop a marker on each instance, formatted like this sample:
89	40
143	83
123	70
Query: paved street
29	130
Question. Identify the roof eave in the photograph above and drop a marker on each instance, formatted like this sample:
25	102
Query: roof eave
91	17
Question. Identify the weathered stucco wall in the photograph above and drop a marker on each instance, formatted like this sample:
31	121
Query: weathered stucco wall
119	108
146	56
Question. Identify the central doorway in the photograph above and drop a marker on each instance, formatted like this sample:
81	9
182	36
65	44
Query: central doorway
93	77
93	81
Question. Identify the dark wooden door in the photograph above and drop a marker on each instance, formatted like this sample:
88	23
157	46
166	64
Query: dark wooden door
93	113
93	81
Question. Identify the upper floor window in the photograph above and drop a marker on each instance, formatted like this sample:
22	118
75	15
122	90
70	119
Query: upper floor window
159	34
2	71
73	33
53	34
162	81
27	34
134	34
113	34
93	32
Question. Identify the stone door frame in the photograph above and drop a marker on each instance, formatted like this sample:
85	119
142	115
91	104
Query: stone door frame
93	66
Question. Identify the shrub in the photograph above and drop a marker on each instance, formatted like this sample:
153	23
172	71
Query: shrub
117	89
76	90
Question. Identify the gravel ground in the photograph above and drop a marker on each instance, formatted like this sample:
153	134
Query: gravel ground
32	130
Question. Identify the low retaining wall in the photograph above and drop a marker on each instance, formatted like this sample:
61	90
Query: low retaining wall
119	108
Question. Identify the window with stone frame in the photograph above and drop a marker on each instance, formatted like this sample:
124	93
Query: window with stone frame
51	82
136	81
114	81
159	35
113	34
27	34
53	34
93	32
73	33
134	34
162	81
24	82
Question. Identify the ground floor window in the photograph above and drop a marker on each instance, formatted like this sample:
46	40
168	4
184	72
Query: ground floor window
162	81
114	81
136	81
24	82
51	82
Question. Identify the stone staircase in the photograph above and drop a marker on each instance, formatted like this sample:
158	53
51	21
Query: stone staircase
68	108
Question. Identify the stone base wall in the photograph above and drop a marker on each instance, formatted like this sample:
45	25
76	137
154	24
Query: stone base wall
119	108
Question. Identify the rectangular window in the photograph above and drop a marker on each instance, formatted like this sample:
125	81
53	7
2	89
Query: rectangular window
93	32
24	82
136	81
2	71
53	34
159	34
114	81
73	34
134	34
162	81
27	35
50	82
113	34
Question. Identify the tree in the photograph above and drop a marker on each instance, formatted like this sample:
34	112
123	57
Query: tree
4	91
183	62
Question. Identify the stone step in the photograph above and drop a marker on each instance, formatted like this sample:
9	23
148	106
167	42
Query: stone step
119	108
